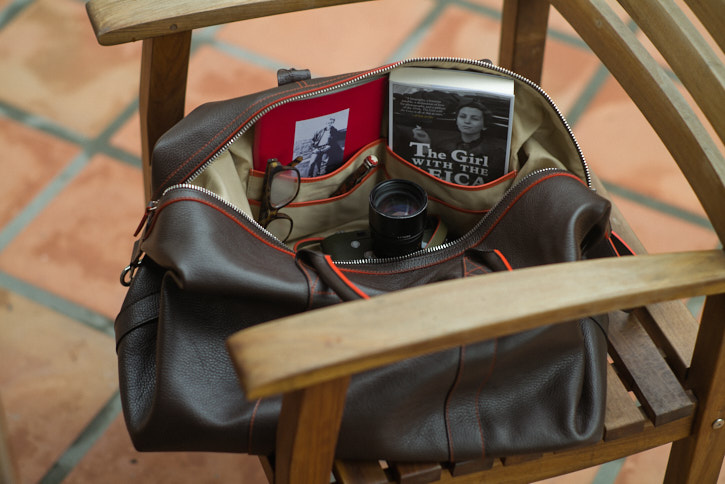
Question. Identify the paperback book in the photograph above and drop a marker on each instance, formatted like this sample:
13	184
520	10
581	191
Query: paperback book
455	125
325	131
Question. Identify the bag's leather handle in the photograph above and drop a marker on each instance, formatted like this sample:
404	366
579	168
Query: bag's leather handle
347	290
332	275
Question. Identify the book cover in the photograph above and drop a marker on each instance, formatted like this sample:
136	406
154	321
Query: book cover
324	130
455	125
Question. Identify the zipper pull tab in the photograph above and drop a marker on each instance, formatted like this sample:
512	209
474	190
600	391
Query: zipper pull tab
150	208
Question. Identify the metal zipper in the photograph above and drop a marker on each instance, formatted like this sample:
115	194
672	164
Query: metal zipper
460	240
128	273
382	70
350	82
229	205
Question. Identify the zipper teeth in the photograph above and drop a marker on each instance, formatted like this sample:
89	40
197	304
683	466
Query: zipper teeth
388	68
228	204
460	240
373	261
354	80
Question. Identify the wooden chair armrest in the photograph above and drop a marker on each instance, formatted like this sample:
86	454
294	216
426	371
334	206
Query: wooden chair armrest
348	338
121	21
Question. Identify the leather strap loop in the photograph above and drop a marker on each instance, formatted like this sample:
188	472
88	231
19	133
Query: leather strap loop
332	275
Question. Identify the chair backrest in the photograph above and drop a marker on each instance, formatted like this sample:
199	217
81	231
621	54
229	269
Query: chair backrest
314	384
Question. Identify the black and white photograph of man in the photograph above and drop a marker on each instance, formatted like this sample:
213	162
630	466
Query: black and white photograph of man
321	143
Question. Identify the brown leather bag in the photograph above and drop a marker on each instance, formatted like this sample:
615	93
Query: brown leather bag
204	269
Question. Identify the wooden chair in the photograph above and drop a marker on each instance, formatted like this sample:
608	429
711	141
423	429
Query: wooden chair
675	367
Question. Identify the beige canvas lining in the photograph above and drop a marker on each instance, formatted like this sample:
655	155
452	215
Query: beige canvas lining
538	135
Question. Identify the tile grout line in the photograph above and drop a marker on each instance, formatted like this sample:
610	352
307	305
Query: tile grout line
493	14
599	78
99	424
84	442
98	145
102	143
608	472
10	12
659	206
489	12
584	100
421	30
58	304
42	199
41	124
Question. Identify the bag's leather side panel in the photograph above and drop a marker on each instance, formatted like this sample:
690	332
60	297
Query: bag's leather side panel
180	391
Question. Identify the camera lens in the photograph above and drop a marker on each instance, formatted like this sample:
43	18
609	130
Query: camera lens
397	217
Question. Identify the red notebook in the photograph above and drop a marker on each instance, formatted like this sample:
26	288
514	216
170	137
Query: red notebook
324	130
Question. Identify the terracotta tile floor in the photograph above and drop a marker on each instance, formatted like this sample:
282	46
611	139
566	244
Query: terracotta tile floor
69	132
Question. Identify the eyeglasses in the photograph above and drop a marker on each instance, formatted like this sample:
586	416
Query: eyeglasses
281	185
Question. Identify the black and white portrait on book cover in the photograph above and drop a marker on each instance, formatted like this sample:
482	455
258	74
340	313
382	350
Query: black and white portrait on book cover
459	136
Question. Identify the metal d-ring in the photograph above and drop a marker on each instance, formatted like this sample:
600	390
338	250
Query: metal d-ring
128	274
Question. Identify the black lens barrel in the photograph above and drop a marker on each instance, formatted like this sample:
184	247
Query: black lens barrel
397	217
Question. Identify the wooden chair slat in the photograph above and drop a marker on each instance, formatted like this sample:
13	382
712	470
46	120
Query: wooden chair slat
470	466
657	388
575	459
622	416
162	93
523	37
359	472
416	473
673	328
712	16
669	323
267	463
121	21
686	52
653	91
699	458
519	459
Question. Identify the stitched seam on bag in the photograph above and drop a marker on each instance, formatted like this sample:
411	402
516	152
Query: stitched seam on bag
344	279
490	370
211	205
251	424
462	353
457	209
471	188
503	259
619	239
478	397
520	195
483	237
289	91
471	268
130	327
312	283
614	247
